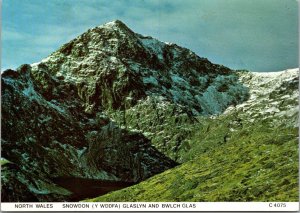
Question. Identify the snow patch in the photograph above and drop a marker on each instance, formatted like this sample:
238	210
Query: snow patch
261	86
150	80
154	46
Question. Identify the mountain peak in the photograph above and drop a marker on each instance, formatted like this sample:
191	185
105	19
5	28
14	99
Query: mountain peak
116	24
113	56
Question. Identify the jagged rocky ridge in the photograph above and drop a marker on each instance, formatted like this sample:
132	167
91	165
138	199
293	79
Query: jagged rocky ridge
93	109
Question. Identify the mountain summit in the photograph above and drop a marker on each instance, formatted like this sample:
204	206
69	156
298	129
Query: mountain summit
110	64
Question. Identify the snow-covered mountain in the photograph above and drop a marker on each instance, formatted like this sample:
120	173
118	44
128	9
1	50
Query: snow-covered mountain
124	65
114	105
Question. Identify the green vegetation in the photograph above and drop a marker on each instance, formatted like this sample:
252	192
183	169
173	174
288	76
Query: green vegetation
229	159
3	161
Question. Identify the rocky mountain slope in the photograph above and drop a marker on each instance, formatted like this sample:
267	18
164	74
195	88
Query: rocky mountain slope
249	153
117	106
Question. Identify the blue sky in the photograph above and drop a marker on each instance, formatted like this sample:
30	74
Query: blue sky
259	35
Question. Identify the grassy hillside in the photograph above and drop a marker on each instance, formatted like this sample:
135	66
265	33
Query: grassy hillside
259	163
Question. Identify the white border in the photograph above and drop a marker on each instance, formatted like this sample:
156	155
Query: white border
152	206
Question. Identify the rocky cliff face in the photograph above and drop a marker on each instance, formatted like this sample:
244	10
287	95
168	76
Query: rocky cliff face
111	105
45	139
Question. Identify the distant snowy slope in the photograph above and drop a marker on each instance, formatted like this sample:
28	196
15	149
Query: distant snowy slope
272	94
